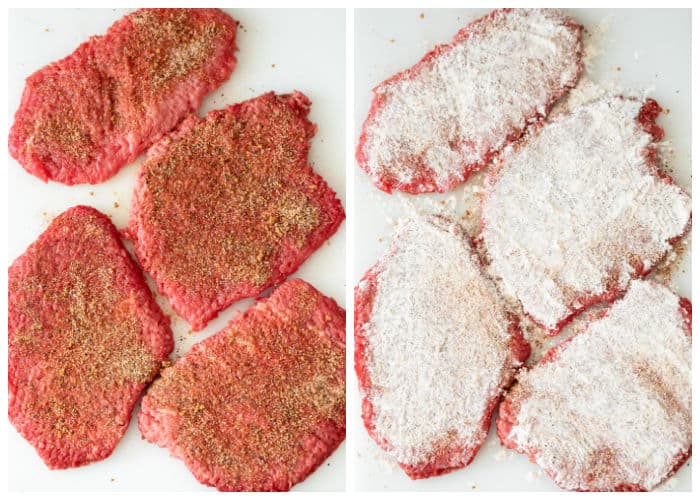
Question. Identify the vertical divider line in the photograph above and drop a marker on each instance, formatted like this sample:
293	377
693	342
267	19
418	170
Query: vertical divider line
350	397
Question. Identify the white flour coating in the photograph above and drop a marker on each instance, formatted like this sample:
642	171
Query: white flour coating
573	210
615	406
438	343
464	103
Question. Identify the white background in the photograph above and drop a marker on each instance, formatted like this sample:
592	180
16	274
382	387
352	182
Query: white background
307	50
660	39
651	48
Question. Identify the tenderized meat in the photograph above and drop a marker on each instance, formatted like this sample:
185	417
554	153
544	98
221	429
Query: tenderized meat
228	205
578	209
610	408
85	337
261	404
434	347
84	117
432	125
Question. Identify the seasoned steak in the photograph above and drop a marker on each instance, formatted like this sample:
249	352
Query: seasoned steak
228	205
579	208
84	338
610	409
432	125
261	404
434	348
82	118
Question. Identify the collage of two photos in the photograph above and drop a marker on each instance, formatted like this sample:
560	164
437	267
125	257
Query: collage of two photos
481	277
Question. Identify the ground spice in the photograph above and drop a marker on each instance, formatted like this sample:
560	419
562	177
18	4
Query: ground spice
75	322
248	398
231	204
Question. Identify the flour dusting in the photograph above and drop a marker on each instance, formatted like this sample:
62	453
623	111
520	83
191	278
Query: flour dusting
434	124
438	344
576	211
615	406
594	42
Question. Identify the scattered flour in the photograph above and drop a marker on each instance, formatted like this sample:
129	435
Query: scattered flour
669	485
503	454
594	42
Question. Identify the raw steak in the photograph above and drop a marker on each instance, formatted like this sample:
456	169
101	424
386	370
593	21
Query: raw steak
227	206
610	409
434	348
85	337
432	125
261	404
574	212
84	117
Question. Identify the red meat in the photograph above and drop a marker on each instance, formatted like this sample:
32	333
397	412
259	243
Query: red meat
261	404
607	456
227	206
457	309
580	207
85	338
84	117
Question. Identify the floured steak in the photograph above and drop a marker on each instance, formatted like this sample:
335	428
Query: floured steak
432	125
434	348
579	208
610	409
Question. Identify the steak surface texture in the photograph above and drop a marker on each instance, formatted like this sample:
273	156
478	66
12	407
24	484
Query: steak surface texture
429	127
85	337
610	408
228	205
84	117
579	208
261	404
435	347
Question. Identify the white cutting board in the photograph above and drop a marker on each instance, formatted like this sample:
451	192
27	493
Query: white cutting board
651	48
279	50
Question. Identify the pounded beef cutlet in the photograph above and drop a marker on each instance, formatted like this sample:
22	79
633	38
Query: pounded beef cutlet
432	125
434	347
84	117
610	409
261	404
228	205
84	338
577	210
